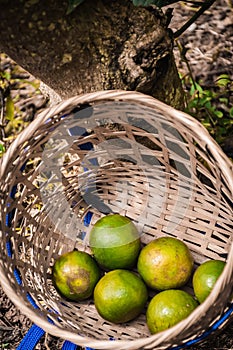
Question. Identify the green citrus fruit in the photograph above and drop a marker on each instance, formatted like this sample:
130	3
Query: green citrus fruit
115	242
165	263
205	277
75	275
167	308
120	296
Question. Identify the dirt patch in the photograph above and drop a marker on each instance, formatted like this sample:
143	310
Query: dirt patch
208	41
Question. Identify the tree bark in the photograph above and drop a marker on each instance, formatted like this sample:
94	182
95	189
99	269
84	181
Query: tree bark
102	45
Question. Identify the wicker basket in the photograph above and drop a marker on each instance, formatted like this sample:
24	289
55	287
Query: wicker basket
112	151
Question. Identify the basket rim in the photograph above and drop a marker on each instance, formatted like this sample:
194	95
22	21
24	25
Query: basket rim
116	96
202	134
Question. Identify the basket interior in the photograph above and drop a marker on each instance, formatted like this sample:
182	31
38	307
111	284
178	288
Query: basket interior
100	158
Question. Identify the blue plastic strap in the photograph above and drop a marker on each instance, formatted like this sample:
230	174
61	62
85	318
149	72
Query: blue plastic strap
209	331
32	337
69	346
87	218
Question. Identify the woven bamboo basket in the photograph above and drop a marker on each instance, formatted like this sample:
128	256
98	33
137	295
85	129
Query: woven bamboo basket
113	151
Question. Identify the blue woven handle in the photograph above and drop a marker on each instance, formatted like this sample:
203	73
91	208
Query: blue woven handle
32	337
69	346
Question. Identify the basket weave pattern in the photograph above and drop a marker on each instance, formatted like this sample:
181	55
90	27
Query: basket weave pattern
122	152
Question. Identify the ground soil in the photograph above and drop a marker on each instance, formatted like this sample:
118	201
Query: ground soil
209	44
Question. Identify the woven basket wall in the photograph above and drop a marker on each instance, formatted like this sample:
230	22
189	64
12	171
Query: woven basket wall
112	151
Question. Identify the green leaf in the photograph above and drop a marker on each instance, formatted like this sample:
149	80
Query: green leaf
198	88
10	108
72	5
193	103
231	112
208	93
192	90
223	100
2	148
207	104
223	80
206	124
6	75
219	114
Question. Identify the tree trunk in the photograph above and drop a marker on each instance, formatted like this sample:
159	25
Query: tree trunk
102	45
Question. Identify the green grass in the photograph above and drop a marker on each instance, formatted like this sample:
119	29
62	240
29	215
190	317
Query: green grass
16	85
212	106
